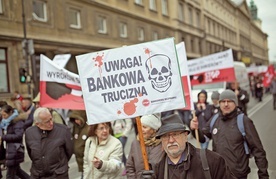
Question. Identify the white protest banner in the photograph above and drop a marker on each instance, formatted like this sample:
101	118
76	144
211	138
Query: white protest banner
183	66
131	81
59	88
213	68
62	59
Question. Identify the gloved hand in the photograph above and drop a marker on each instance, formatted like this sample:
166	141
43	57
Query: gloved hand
147	174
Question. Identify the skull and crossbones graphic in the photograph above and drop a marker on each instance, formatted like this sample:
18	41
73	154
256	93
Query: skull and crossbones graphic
159	70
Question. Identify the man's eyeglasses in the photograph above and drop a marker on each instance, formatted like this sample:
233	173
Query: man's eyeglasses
103	128
47	122
166	137
226	101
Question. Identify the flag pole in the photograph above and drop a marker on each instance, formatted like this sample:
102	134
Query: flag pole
142	143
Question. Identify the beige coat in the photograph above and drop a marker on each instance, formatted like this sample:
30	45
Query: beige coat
110	152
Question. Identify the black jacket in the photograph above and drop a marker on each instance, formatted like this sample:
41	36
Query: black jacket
203	115
29	121
49	151
193	166
228	142
15	148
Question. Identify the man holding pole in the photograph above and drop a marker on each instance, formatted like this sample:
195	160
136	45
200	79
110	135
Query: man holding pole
183	160
228	140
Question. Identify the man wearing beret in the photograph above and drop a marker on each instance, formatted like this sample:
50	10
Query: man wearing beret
228	140
181	159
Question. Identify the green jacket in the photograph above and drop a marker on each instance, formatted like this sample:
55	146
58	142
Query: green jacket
80	134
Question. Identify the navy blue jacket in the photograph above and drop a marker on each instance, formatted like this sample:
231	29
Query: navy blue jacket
13	138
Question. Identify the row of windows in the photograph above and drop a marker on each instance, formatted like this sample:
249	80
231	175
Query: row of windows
1	7
153	5
194	45
40	11
193	15
219	11
218	30
74	14
3	71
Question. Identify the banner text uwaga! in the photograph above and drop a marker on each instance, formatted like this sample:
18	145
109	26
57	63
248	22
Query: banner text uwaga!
119	80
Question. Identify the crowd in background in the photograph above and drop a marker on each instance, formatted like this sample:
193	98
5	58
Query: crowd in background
52	136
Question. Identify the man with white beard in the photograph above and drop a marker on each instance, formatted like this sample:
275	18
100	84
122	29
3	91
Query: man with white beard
181	159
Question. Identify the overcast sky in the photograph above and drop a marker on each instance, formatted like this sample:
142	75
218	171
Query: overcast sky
267	13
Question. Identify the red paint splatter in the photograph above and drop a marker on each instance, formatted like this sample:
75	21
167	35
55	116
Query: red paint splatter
99	62
130	107
140	94
147	51
119	112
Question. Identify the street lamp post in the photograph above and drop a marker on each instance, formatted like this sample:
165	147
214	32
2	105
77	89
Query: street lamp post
26	47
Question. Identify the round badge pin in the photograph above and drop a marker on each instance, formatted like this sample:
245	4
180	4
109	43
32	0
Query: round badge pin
101	153
216	110
76	136
215	131
84	137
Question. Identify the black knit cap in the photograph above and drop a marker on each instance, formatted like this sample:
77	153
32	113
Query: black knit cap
171	123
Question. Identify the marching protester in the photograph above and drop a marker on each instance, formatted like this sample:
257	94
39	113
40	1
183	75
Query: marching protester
28	110
242	96
2	149
102	154
181	159
13	138
17	101
215	101
259	89
135	164
80	133
121	130
230	142
49	146
203	112
273	91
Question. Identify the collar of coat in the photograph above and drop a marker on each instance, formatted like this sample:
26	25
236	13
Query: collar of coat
96	141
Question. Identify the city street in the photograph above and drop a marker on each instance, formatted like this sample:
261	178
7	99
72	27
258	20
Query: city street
261	113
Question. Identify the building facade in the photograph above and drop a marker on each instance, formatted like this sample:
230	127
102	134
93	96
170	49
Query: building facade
29	28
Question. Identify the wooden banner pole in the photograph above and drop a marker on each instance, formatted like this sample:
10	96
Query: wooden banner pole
142	143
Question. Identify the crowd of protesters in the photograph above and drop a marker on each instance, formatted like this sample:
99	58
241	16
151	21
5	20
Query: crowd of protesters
51	140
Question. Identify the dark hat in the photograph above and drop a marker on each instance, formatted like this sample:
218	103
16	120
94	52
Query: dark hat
215	95
171	123
204	92
229	94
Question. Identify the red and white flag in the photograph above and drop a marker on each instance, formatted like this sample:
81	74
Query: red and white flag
218	67
268	76
59	88
186	83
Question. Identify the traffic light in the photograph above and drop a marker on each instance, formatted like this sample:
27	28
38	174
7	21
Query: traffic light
22	75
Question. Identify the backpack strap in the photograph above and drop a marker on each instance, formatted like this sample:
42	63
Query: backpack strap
242	130
204	163
213	120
